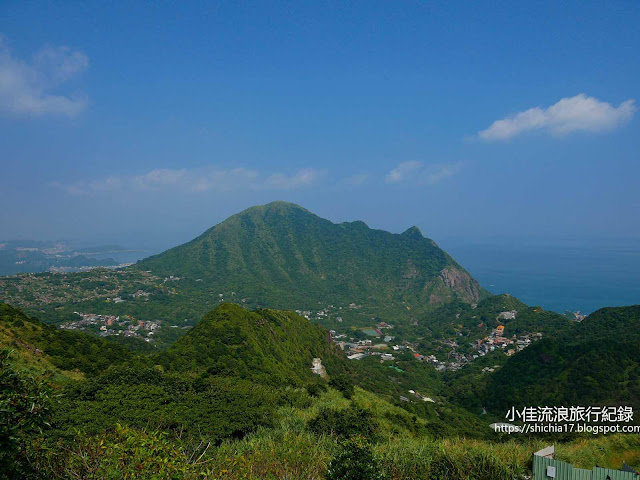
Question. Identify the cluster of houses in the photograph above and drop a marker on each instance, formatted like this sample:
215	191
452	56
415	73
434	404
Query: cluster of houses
455	361
85	268
322	314
88	319
107	325
358	349
497	340
138	294
482	346
329	312
326	313
576	316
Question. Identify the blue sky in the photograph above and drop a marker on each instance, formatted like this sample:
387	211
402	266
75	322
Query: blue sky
145	123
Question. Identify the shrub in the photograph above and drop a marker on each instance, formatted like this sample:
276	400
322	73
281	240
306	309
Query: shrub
343	384
354	461
122	453
315	389
25	408
295	397
344	423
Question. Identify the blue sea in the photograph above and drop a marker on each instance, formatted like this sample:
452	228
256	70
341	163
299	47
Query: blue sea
557	278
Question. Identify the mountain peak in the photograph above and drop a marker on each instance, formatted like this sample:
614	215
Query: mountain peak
277	208
413	232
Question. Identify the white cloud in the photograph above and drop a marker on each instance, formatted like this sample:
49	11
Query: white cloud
302	178
403	171
194	181
28	87
579	113
417	172
356	180
440	172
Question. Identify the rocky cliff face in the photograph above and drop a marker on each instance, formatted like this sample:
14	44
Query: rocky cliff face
452	282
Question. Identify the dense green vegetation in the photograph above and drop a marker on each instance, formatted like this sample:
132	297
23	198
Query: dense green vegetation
186	406
282	256
52	347
595	362
236	398
24	412
293	447
267	346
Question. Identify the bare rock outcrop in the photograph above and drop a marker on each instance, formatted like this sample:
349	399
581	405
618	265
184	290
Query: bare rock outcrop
453	281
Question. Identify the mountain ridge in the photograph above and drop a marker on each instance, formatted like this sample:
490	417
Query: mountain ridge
284	256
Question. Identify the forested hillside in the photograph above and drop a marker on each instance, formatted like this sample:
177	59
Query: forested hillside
236	398
596	362
267	346
282	256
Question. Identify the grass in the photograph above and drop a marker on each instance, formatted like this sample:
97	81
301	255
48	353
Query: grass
608	451
32	364
290	451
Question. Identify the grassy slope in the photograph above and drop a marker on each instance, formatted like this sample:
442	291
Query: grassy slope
44	349
15	328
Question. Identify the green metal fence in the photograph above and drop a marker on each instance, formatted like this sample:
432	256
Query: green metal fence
601	474
566	471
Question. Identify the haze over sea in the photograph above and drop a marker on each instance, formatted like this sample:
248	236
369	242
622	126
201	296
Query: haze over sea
556	277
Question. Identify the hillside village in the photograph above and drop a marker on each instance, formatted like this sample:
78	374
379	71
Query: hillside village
384	345
112	325
41	289
111	306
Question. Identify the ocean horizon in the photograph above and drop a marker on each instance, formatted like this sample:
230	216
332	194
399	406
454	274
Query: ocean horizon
558	278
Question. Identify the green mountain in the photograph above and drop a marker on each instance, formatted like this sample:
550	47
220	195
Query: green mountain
596	362
284	256
267	346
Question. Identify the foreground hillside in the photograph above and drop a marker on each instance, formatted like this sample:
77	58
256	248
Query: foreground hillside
45	349
235	374
236	398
